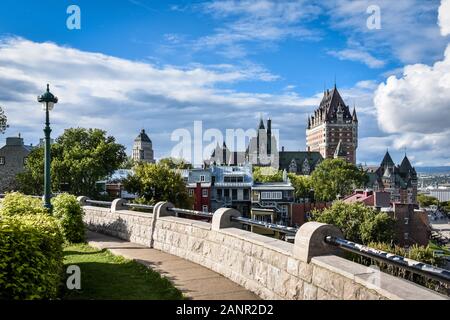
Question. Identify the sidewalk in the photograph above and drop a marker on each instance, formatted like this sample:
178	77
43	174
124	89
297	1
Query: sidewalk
196	282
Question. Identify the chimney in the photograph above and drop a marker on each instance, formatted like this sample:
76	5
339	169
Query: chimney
282	149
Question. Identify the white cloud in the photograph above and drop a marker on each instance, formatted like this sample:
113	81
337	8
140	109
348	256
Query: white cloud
419	101
444	17
123	96
416	106
358	55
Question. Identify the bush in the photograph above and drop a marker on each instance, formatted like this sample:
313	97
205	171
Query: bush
358	222
31	256
69	213
18	204
415	252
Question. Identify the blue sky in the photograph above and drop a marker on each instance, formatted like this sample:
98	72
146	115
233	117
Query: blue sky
161	65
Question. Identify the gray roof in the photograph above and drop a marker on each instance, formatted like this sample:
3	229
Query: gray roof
143	137
299	157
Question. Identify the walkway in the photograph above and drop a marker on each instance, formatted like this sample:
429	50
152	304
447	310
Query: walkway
196	282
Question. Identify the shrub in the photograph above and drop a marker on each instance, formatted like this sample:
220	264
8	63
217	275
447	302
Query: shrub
31	256
358	222
18	204
69	213
415	252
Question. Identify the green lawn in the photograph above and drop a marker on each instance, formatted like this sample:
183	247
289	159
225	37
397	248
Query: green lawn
106	276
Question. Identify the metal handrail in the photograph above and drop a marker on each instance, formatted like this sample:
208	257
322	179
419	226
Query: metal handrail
416	267
191	212
98	202
138	206
266	225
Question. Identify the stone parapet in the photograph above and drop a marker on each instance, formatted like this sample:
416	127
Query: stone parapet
271	268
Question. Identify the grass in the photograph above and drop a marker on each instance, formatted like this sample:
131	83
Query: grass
105	276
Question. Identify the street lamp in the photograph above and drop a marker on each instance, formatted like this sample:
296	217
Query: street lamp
48	101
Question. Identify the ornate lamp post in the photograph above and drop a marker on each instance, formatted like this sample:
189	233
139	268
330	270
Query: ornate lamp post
48	101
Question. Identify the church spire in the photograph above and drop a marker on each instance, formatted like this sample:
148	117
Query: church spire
354	117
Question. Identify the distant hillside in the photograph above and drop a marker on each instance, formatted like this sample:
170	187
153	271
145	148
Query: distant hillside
444	169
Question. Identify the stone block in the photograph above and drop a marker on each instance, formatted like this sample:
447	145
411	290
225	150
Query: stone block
310	241
331	282
222	219
309	291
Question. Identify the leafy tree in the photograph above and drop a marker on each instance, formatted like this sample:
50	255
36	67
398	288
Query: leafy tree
426	201
334	177
129	163
358	222
267	174
80	158
158	182
174	163
302	185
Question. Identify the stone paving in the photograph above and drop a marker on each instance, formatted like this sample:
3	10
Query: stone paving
196	282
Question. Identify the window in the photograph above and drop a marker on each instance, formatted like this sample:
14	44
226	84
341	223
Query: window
202	178
205	208
234	194
276	195
205	193
2	161
191	192
25	161
406	220
406	235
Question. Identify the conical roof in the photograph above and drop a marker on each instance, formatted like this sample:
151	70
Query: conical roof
143	137
387	161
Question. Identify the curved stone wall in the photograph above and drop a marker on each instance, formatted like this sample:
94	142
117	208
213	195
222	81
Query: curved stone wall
271	268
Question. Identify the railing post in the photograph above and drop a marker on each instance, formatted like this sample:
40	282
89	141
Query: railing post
161	210
82	200
310	241
222	219
118	204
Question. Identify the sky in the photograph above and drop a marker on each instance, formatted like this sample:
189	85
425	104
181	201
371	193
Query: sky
161	65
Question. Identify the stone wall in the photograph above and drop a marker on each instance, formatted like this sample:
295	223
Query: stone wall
273	269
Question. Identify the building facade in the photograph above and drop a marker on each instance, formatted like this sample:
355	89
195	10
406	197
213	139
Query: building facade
299	162
198	183
13	157
142	148
399	180
231	188
333	129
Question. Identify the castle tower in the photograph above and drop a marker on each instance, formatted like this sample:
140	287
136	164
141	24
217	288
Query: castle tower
333	129
142	148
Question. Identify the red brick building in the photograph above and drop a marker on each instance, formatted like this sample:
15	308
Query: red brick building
201	192
333	129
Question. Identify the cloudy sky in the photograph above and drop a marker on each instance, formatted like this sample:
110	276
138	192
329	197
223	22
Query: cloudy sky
161	65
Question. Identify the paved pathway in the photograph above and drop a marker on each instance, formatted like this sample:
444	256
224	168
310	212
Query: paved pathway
196	282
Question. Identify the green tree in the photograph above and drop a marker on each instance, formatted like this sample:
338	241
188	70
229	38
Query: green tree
80	158
158	182
267	174
174	163
129	163
301	184
426	201
358	222
335	177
